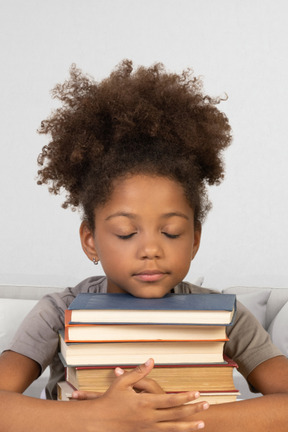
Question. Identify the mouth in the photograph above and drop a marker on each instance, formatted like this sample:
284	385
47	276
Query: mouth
150	275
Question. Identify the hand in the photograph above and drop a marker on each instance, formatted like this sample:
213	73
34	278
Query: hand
145	385
124	410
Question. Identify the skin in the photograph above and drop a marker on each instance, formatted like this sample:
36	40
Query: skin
147	263
144	236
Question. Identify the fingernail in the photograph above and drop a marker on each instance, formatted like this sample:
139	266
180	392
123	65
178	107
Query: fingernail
196	394
200	425
148	362
75	395
205	406
119	371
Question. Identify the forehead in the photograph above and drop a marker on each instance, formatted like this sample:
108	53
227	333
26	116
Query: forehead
143	194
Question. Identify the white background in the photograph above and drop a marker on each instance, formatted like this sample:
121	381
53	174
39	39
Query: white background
239	47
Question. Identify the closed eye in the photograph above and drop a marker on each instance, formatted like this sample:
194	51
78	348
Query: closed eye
125	237
172	236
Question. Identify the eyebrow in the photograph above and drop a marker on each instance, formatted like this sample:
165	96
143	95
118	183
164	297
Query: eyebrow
133	215
121	213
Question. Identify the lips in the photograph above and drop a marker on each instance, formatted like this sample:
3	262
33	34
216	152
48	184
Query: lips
149	275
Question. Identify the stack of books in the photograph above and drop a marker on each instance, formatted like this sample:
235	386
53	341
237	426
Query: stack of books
184	334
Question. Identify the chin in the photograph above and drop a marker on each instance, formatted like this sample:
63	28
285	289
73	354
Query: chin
150	293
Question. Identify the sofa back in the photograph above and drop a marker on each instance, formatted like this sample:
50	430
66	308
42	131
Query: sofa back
270	306
27	292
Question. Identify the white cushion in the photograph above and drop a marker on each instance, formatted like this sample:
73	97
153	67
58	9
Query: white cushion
12	313
27	292
278	330
198	281
255	301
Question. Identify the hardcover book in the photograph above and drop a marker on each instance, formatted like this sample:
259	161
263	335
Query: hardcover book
196	309
133	353
201	377
140	332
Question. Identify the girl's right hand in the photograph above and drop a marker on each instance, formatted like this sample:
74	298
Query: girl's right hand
146	385
125	410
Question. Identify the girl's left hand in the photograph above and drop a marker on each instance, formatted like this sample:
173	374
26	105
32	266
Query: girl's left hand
146	385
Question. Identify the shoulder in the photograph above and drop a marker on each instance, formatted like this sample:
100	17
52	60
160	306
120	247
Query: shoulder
189	288
96	284
49	312
62	299
37	337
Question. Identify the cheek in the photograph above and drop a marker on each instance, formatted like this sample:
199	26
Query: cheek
185	254
111	250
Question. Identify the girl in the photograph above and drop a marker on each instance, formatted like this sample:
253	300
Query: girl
135	153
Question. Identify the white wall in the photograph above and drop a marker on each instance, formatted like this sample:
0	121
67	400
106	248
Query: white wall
240	47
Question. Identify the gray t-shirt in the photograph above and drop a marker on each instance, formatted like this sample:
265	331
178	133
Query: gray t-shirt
37	338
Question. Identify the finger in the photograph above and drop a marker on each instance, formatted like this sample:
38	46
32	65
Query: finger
181	412
180	426
119	371
82	395
174	399
148	385
129	379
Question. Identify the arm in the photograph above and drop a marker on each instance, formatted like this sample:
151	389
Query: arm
17	372
266	413
120	408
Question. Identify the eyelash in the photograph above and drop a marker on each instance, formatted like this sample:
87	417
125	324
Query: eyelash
127	237
172	236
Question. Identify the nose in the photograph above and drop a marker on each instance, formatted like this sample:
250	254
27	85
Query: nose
150	248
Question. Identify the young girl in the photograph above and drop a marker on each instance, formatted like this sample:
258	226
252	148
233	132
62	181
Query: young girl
135	153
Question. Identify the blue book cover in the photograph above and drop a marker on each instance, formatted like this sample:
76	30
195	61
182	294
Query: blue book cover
170	309
191	302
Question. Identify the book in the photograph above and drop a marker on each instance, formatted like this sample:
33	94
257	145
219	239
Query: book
201	377
217	397
65	390
216	309
140	332
134	353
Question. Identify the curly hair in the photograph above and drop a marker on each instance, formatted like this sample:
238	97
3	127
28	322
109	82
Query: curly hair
144	121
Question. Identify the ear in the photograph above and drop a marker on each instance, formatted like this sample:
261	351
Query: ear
87	241
197	239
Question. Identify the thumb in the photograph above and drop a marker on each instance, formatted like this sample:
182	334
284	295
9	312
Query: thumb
130	378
